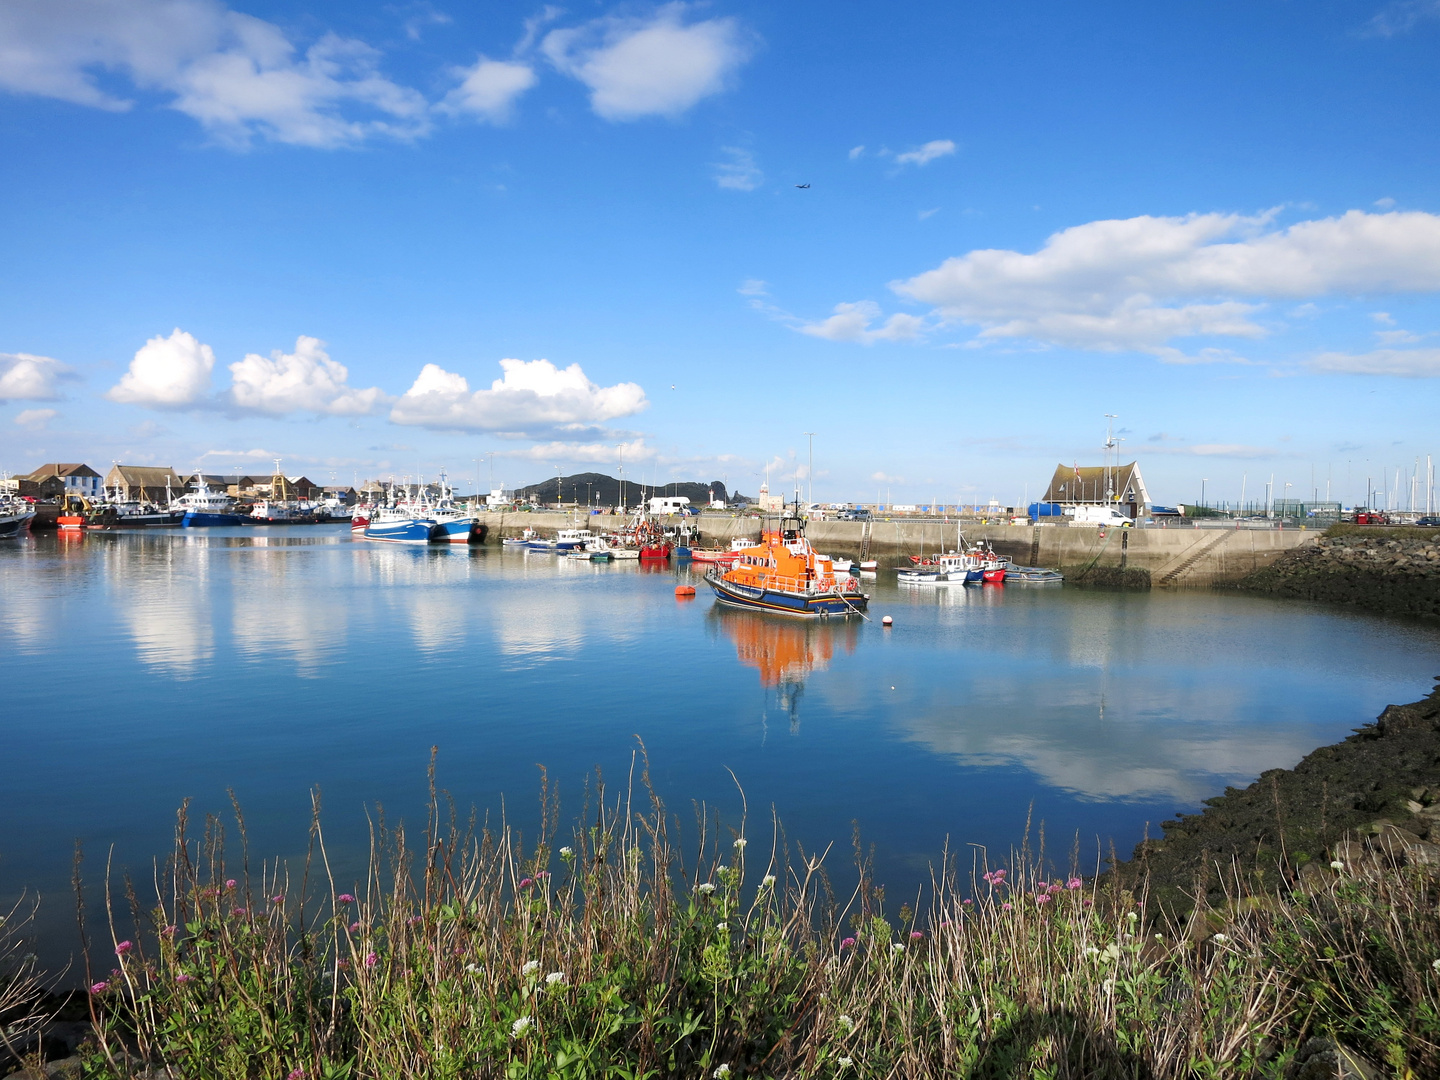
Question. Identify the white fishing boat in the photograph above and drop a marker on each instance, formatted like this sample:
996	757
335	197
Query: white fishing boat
15	515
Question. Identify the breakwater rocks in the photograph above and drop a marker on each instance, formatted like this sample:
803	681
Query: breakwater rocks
1374	796
1394	571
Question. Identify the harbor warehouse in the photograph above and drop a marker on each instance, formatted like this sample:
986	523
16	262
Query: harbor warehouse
1119	485
142	483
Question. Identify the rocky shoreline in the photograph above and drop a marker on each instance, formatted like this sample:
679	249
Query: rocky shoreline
1391	571
1373	797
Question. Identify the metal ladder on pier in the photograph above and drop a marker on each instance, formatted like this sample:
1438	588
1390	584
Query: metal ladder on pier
866	530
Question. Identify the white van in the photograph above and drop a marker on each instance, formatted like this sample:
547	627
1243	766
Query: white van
669	505
1100	515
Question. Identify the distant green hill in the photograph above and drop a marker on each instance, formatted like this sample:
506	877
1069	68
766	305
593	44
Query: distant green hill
604	490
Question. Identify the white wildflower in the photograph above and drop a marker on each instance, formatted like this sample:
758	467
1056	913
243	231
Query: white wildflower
520	1027
849	1024
1220	938
1131	916
721	868
1091	951
767	880
1435	964
529	968
844	1062
554	977
567	853
740	844
897	947
1108	986
1111	953
722	1072
1337	865
706	887
471	968
722	926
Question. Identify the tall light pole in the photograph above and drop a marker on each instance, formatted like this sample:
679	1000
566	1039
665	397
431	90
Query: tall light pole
810	469
1203	481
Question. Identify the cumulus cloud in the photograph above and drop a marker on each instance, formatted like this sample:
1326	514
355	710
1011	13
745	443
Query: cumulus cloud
531	396
239	76
633	451
35	419
851	322
923	155
489	89
1138	283
1407	363
857	151
26	377
660	65
739	173
306	379
167	373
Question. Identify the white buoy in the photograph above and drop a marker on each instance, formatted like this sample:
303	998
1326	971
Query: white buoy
886	621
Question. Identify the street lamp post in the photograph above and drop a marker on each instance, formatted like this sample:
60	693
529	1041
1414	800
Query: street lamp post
1203	482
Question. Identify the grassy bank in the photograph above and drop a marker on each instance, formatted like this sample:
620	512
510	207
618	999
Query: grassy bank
606	952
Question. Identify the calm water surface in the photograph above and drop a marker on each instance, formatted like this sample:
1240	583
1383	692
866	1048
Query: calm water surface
139	669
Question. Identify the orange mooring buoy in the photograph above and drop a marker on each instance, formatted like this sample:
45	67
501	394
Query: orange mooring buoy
684	590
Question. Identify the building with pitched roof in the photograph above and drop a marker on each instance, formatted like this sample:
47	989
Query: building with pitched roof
78	479
145	483
1119	485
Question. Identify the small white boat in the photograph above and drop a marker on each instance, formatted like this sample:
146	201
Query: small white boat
523	540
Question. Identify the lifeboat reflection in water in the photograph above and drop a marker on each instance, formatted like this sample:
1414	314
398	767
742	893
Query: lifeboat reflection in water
785	651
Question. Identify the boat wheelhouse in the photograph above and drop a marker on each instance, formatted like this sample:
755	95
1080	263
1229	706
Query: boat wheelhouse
784	574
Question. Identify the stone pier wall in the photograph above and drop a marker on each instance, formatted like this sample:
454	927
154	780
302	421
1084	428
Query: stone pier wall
1138	557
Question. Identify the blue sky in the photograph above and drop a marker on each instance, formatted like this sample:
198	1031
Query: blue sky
348	234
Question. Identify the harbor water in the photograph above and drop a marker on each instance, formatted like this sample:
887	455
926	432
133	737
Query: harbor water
141	669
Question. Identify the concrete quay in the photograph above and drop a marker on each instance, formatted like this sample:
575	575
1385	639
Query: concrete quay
1146	557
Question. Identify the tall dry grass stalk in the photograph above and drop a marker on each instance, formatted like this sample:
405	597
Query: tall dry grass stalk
477	954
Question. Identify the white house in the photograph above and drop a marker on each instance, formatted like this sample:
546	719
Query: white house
79	479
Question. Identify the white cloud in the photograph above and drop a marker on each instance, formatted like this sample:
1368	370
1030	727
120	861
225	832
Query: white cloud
1384	318
35	419
1386	203
923	155
489	89
1140	282
740	173
26	377
171	372
306	379
856	151
534	395
851	322
1396	337
247	455
753	287
598	453
1401	17
655	66
1409	363
239	76
923	214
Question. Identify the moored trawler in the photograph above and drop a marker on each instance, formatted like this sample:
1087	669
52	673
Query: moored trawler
784	574
403	524
15	515
203	507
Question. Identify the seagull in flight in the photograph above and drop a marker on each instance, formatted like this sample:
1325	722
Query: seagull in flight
802	186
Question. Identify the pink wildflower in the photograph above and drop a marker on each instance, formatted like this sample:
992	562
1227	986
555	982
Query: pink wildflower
239	912
296	1074
123	948
371	960
847	943
99	988
354	927
1043	898
277	899
967	902
1085	903
345	898
182	978
1075	883
916	935
169	931
526	882
416	920
230	884
541	873
1004	907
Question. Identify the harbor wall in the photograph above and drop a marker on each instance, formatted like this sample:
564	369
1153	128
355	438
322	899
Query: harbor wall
1168	557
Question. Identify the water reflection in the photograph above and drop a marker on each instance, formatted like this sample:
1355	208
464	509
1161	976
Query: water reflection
784	651
164	600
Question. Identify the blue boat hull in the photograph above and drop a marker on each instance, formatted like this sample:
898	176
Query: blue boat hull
195	519
416	531
455	532
783	603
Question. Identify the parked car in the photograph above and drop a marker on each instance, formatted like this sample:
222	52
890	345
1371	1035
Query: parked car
854	515
1429	522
